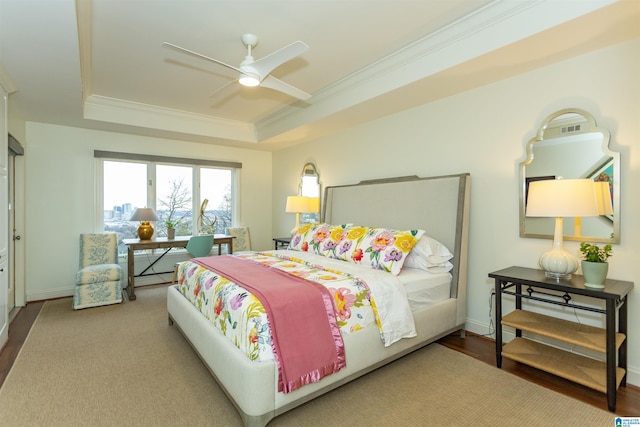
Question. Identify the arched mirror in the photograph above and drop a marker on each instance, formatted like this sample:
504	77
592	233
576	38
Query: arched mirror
310	187
569	144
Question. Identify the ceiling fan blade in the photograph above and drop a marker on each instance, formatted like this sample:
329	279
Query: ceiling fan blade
276	84
223	87
265	65
199	55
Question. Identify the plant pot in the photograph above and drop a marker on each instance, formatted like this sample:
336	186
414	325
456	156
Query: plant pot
594	273
171	233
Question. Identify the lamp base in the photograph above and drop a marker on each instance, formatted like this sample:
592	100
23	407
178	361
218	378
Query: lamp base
558	264
145	231
557	276
294	230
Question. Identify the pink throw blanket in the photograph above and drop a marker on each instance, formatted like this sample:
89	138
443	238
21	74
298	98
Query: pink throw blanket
306	340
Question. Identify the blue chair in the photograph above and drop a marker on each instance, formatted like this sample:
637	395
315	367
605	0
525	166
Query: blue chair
99	281
197	246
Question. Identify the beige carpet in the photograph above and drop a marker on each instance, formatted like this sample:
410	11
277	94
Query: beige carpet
123	365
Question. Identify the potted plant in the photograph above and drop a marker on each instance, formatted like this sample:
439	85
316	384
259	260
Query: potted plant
594	264
171	228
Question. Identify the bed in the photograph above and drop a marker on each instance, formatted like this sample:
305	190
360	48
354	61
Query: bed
439	206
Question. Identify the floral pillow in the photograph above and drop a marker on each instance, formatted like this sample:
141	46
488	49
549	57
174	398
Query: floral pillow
300	239
335	234
380	248
316	238
346	249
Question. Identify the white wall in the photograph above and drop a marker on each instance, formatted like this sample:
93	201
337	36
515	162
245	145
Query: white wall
484	132
61	195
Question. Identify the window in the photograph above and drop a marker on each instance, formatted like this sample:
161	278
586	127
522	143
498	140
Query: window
215	188
174	199
197	198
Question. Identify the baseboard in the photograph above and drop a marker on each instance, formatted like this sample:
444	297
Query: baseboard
479	328
162	272
49	294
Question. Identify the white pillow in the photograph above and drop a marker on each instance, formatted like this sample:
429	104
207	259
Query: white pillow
429	255
442	268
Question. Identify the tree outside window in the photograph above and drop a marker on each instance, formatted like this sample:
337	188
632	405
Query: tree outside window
174	210
174	199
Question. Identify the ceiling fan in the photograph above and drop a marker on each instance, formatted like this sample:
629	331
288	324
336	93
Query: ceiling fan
257	72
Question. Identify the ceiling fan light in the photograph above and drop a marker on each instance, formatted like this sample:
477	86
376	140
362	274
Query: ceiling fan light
248	80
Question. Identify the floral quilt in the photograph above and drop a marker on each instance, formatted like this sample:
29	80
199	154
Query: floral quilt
240	316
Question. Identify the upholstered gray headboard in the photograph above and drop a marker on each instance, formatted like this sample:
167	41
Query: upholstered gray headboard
439	205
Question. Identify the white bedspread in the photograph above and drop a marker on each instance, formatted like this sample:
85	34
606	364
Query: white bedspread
387	291
425	289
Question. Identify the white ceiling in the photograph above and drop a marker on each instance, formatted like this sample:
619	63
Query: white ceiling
100	64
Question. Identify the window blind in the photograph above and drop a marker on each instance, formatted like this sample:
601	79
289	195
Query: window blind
165	159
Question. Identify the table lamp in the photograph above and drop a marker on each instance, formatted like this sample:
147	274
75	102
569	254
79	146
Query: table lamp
557	199
144	215
301	204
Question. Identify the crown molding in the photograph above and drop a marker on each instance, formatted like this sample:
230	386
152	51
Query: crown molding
149	116
5	80
84	21
498	24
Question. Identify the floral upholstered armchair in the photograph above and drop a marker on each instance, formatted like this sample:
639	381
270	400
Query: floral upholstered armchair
242	241
99	281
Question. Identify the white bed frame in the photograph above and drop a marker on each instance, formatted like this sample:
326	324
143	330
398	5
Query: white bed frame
439	205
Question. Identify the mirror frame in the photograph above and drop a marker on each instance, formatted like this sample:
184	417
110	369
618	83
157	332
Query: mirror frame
309	169
615	160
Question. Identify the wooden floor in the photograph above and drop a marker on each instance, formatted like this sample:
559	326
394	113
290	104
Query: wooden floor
476	346
18	332
482	348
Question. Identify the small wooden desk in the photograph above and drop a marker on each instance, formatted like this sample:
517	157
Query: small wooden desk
162	243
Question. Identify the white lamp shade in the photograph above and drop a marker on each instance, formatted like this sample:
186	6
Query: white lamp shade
302	204
144	214
314	204
562	198
603	197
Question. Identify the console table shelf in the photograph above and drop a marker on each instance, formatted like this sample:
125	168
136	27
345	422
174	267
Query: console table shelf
531	284
562	330
571	366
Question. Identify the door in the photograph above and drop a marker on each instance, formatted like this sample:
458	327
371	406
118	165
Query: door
16	285
11	295
4	224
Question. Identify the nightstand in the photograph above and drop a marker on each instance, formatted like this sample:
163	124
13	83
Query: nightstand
531	284
281	242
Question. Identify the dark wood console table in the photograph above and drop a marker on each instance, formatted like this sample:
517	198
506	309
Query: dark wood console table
281	242
531	284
